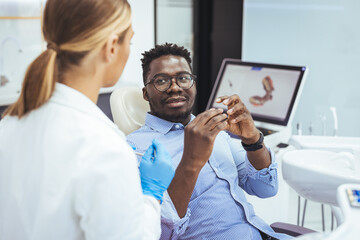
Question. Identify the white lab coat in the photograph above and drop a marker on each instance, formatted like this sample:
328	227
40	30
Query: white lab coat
66	172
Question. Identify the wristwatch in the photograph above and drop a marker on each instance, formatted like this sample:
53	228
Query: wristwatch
255	146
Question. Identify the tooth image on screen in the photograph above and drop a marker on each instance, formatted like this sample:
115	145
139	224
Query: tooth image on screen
268	85
269	91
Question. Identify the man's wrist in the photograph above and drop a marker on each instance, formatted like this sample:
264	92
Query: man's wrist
191	163
254	146
250	138
189	169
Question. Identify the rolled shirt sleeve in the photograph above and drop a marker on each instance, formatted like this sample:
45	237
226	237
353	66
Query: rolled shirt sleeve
172	226
262	183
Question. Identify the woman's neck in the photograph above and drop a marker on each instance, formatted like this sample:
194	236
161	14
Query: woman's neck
84	86
87	80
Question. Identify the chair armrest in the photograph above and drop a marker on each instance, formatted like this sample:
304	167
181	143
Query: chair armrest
290	229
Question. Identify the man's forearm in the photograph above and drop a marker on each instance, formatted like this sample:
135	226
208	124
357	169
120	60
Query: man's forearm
199	140
182	186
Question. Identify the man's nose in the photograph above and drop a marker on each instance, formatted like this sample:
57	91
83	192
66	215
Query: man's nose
174	86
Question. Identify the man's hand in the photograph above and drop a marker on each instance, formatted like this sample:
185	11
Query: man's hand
241	123
239	119
200	135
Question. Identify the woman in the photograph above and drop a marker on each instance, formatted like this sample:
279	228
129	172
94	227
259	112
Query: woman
66	171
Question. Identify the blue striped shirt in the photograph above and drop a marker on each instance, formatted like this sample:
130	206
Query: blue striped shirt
218	208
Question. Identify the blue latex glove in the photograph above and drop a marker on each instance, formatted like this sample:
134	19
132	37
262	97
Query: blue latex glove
156	170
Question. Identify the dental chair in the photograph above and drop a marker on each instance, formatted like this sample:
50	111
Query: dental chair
129	109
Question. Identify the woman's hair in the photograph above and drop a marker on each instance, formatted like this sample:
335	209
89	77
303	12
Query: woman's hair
72	28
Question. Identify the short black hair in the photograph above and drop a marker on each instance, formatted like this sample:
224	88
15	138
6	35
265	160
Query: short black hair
163	50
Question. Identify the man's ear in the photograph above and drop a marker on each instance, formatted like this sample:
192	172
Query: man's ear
145	94
110	48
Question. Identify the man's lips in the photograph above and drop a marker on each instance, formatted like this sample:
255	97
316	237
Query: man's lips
175	101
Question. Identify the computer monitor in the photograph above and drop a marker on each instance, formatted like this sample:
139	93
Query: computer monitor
269	91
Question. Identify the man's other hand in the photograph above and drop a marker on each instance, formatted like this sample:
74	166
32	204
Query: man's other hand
239	121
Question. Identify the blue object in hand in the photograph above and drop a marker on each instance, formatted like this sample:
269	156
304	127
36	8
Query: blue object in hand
156	170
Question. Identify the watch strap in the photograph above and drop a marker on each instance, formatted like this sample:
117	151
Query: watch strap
255	146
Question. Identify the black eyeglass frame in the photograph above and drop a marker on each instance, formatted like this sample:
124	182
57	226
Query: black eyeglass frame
171	78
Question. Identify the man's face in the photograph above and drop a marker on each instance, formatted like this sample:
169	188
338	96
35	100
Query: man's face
174	104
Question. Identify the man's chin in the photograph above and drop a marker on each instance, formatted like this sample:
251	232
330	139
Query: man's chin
179	117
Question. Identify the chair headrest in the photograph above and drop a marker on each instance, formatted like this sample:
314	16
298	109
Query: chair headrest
128	108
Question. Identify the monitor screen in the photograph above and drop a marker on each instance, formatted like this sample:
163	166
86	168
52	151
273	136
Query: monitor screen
269	91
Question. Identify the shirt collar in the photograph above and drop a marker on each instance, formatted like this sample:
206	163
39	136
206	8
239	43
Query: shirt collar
161	125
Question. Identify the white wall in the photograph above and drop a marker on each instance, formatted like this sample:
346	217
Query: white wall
28	34
143	40
175	22
323	35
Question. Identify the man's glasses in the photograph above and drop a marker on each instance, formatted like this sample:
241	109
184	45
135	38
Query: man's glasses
163	82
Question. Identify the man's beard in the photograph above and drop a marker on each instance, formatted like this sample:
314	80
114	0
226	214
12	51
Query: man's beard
180	117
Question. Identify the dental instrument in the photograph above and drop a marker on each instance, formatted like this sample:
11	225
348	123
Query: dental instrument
139	154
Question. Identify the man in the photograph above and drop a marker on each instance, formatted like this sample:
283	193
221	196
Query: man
205	199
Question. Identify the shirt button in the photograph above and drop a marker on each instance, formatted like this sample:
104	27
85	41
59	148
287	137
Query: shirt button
177	126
